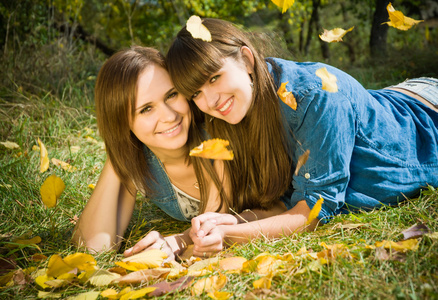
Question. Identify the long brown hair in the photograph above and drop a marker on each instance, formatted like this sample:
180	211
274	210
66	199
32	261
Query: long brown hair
115	97
261	170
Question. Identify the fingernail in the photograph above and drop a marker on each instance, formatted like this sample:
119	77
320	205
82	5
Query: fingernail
200	233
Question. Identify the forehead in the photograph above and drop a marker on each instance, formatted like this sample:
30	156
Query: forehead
152	84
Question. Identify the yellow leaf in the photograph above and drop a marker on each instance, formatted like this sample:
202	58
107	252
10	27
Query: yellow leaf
82	261
51	189
44	157
287	97
283	4
213	149
138	293
49	295
65	166
266	265
217	295
398	20
57	283
314	212
209	284
262	283
232	264
328	80
110	293
103	278
152	258
132	266
34	240
85	296
92	186
57	266
197	29
41	281
10	145
334	35
403	246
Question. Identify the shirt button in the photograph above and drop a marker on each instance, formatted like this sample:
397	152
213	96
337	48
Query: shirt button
307	175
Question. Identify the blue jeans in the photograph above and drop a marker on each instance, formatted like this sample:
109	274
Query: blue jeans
426	87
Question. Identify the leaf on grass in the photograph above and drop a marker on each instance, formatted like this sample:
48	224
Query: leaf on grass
314	212
202	267
283	4
328	80
263	283
142	276
41	280
152	258
197	29
85	296
110	293
32	241
132	266
334	35
165	287
10	145
384	254
232	264
103	278
287	97
49	295
398	20
137	293
209	284
213	149
57	266
267	264
402	246
218	295
82	261
44	157
51	190
301	161
63	165
415	231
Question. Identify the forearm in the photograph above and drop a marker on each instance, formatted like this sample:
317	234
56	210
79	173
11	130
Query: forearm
251	215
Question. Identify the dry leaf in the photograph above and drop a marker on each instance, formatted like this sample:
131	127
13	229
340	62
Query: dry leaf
142	276
403	246
82	261
41	280
152	258
44	157
314	212
136	294
415	231
266	264
209	284
197	29
165	287
51	190
65	166
301	161
49	295
132	266
103	278
10	145
232	264
328	80
287	97
32	241
217	295
334	35
110	293
262	283
398	20
57	266
85	296
213	149
283	4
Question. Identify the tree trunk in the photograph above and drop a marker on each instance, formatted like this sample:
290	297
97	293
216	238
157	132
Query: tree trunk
287	32
379	31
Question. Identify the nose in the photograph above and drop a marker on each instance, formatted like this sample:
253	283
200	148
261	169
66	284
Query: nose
211	97
167	113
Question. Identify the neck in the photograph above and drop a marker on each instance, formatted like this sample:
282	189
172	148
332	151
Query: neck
169	157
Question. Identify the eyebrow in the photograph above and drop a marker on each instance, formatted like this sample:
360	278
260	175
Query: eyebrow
170	91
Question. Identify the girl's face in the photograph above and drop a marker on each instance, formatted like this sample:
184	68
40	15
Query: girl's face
227	95
162	115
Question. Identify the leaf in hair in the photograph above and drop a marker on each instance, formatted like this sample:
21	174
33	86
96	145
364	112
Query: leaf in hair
328	80
334	35
197	29
213	149
287	97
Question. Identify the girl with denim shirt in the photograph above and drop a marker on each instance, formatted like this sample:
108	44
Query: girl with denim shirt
366	148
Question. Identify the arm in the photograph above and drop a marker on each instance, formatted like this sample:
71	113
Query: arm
106	215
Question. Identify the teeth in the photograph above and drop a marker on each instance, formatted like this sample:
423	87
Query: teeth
225	107
171	130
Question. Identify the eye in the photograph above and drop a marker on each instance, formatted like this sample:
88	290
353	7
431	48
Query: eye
146	109
196	94
172	96
214	78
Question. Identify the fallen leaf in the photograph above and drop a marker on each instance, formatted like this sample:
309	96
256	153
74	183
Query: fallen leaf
103	278
314	212
197	29
44	157
218	295
209	284
402	246
283	4
262	283
152	258
41	281
415	231
165	287
232	264
92	186
398	20
142	276
10	145
51	190
383	255
57	266
65	166
213	149
334	35
32	241
49	295
266	264
287	97
138	293
301	161
110	293
85	296
82	261
328	80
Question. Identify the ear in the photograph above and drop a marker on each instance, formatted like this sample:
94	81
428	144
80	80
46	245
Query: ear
248	57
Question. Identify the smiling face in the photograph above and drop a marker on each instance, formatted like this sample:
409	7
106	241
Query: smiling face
227	95
162	115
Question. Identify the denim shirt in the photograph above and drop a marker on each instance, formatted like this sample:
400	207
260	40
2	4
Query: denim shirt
367	148
164	196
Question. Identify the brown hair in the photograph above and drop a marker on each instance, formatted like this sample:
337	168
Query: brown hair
115	97
261	170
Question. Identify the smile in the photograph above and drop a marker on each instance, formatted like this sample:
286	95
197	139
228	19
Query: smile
171	129
223	109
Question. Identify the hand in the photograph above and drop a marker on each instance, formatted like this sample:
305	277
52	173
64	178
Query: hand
154	240
209	244
203	224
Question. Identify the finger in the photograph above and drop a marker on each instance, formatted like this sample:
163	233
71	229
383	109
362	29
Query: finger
196	223
150	239
226	219
207	216
205	228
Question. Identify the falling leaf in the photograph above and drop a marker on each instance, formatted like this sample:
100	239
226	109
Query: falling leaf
283	4
334	35
398	20
197	29
103	278
287	97
301	161
213	149
262	283
314	212
10	145
44	157
415	231
218	295
328	80
209	284
142	276
51	190
85	296
152	258
232	264
403	246
165	287
65	166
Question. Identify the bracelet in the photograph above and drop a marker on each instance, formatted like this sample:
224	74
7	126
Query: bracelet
183	242
255	215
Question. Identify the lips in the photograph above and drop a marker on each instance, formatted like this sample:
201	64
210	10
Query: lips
226	107
171	130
